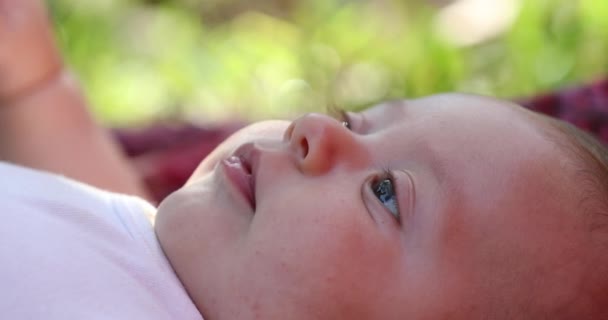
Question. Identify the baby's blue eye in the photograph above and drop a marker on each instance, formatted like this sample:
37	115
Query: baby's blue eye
385	192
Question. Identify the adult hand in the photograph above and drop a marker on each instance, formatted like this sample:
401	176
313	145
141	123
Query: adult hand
28	55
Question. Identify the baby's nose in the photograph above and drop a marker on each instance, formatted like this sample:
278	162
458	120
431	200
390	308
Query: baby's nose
320	143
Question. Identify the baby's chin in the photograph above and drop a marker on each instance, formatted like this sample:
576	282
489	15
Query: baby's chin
264	130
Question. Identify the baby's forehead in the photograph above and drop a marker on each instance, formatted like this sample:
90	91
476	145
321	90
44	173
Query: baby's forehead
477	143
478	151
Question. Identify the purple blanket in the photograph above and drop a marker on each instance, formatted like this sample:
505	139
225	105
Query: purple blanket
166	155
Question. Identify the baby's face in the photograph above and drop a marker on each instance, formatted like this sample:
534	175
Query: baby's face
425	209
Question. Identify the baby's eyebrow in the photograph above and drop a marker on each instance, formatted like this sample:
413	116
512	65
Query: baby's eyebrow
333	110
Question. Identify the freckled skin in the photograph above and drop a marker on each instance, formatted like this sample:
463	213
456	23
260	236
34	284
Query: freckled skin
468	175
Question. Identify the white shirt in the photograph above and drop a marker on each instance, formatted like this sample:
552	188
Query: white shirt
70	251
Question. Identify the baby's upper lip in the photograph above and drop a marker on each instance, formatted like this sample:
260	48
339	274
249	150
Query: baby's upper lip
250	157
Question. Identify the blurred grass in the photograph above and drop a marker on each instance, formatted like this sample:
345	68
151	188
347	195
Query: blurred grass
213	60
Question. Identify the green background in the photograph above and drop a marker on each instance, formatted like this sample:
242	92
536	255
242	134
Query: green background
207	61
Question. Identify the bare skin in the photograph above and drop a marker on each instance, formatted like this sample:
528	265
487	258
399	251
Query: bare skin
44	118
482	225
485	224
28	55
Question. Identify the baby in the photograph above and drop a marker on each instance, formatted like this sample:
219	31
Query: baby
447	207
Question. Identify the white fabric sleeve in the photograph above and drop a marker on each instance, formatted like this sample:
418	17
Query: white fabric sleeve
70	251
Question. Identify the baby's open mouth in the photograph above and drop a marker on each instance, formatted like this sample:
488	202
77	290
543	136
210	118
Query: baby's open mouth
248	170
240	170
239	173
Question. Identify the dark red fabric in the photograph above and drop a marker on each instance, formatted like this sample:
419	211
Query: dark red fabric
166	155
584	106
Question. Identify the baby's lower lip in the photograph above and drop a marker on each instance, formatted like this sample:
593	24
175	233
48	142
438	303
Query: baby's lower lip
237	174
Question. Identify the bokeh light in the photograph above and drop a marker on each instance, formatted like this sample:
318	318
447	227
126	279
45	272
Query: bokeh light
205	61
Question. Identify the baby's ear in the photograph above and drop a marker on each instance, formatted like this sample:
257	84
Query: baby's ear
28	54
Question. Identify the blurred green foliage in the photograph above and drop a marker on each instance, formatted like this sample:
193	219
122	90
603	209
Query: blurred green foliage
210	60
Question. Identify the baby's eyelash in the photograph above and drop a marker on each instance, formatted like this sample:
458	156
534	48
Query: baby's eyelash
341	115
386	173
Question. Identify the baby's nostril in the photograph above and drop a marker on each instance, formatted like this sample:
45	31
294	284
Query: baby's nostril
303	147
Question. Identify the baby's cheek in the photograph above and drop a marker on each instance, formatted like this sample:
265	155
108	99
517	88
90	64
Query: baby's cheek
325	260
